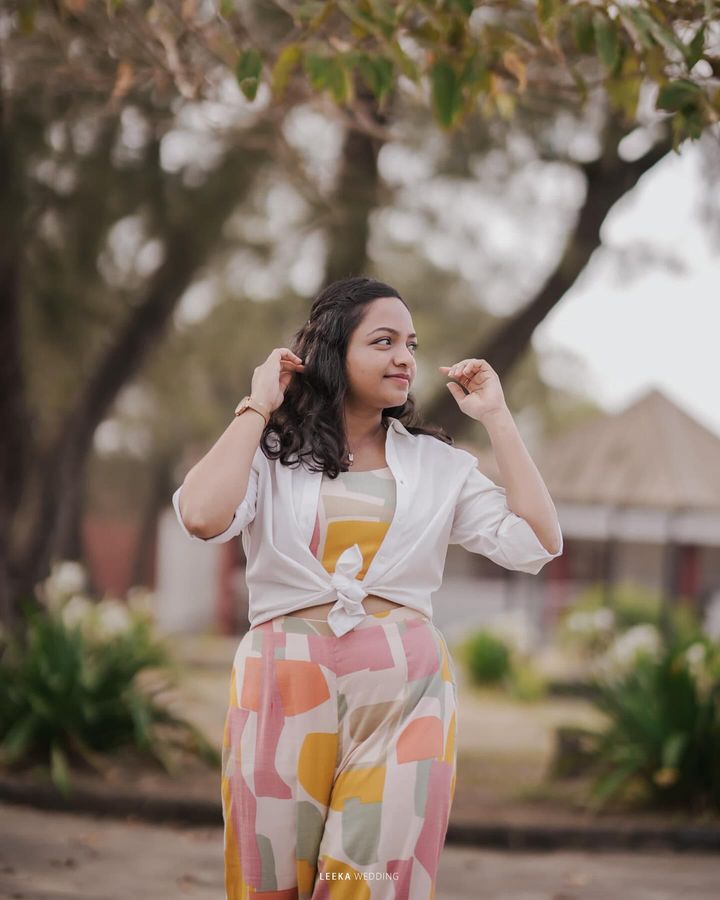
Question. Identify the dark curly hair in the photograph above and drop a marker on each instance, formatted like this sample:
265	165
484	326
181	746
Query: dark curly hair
310	420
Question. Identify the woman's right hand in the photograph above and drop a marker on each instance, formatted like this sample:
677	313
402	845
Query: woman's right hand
271	378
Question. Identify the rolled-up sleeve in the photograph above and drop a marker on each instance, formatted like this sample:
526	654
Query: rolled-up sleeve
483	523
242	517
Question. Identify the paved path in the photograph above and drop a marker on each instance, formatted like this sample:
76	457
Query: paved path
55	856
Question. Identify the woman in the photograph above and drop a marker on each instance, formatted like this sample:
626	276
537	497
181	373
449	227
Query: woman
340	739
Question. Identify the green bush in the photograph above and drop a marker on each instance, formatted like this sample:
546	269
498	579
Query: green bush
524	682
72	695
663	731
488	658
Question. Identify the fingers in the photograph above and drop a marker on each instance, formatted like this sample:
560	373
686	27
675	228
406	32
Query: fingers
288	360
465	367
286	353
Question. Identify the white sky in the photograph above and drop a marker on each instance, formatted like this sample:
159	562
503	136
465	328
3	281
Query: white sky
659	328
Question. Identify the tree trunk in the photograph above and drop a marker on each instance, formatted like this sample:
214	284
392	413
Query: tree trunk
356	195
54	482
159	491
14	418
608	179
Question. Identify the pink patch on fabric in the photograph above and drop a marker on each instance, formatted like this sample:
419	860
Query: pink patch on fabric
320	650
403	867
361	650
437	814
270	722
243	806
420	650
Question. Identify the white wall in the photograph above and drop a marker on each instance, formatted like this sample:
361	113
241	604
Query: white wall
186	579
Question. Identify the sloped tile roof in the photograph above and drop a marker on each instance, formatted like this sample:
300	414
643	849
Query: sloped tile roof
651	454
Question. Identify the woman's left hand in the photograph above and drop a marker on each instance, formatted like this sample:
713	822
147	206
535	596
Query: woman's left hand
485	394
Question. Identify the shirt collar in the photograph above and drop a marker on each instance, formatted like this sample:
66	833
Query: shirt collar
398	426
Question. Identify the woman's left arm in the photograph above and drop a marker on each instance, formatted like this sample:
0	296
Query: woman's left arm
527	494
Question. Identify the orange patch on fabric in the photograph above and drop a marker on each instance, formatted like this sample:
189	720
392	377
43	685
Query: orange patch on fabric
302	685
421	739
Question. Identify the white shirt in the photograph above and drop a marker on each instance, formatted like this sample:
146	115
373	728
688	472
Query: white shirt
442	498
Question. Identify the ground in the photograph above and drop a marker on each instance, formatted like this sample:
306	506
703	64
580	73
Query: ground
56	856
504	749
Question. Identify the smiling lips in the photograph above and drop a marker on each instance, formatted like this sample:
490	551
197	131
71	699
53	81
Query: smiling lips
399	378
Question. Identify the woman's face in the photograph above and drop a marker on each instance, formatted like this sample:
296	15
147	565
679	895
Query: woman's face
382	345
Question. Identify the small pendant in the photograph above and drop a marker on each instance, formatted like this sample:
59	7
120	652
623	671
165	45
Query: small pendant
351	458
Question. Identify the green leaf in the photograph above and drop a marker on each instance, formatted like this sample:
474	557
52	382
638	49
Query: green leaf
445	91
681	94
625	93
327	73
606	41
546	10
247	72
654	32
306	12
361	19
693	123
377	72
465	6
611	783
695	48
475	73
644	25
385	15
59	770
18	739
583	29
289	57
405	63
673	748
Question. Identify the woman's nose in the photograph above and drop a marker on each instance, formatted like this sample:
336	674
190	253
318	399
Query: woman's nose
405	357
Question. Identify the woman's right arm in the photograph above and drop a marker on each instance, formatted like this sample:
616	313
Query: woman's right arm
217	484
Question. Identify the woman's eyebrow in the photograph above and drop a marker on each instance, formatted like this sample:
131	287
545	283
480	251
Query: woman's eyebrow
387	328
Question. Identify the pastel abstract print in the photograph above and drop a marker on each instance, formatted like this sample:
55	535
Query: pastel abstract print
339	759
354	508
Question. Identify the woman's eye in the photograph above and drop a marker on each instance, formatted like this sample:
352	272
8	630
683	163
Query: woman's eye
412	343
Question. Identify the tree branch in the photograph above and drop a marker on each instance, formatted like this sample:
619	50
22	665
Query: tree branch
608	179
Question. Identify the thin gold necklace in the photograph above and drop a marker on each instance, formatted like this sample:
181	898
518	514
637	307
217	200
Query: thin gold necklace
350	455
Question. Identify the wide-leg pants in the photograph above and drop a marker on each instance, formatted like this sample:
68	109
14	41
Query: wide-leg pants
339	759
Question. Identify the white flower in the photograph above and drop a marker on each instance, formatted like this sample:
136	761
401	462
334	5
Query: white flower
68	576
622	654
77	612
603	618
699	665
644	638
113	617
591	621
695	655
711	625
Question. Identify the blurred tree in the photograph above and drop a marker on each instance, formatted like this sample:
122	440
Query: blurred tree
97	248
91	103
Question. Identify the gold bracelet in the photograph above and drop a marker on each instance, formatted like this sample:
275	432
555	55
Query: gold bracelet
249	402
